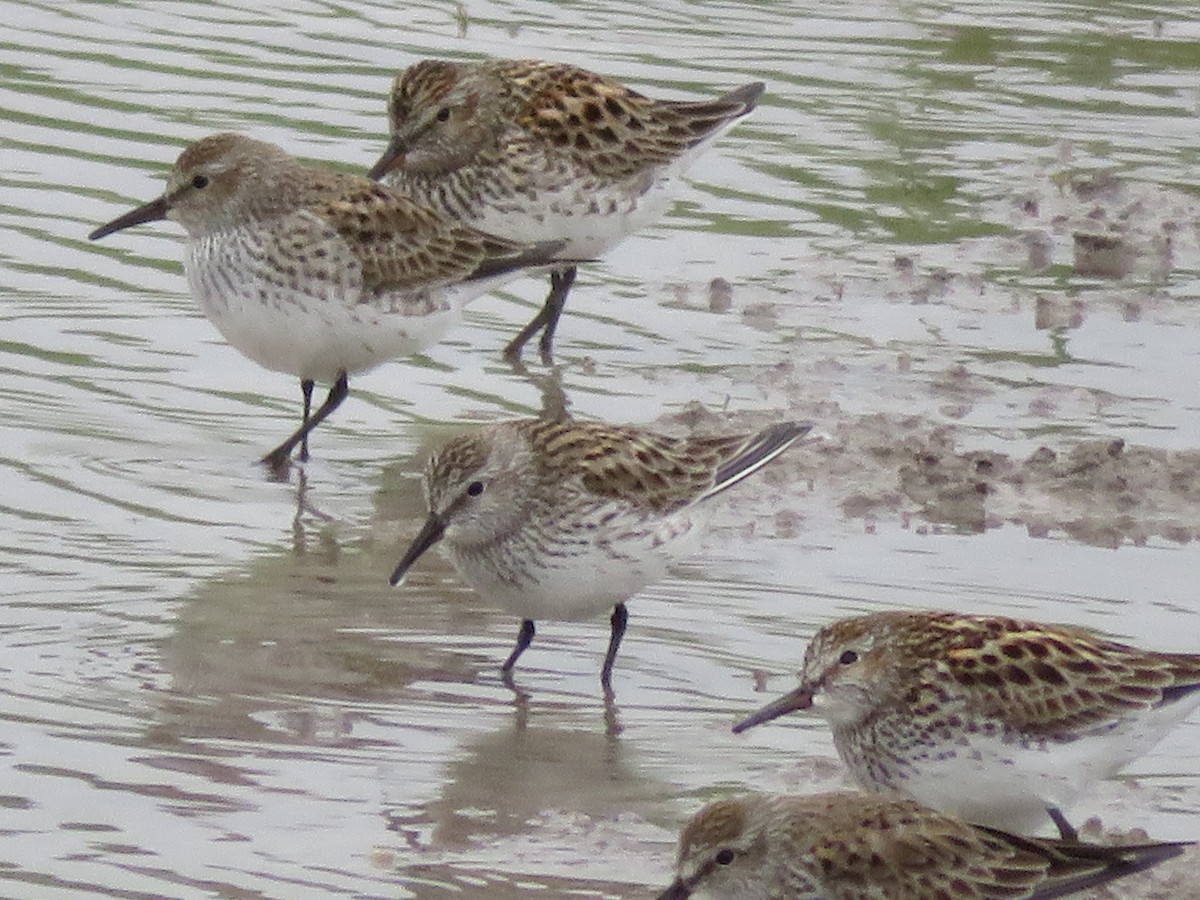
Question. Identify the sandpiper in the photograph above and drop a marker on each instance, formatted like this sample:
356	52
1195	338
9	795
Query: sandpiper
564	520
999	720
845	845
540	151
320	274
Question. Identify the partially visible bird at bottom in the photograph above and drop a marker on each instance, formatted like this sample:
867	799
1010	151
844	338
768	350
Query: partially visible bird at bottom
845	845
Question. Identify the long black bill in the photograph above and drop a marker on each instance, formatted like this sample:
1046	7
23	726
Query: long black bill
393	158
431	532
799	699
147	212
677	891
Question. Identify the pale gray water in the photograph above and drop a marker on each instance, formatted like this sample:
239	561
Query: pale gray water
205	694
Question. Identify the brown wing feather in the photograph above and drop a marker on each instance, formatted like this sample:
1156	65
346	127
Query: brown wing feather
916	854
655	472
403	246
610	129
1066	678
894	848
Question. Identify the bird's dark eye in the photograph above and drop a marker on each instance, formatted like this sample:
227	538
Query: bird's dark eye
200	182
725	857
443	114
475	488
848	658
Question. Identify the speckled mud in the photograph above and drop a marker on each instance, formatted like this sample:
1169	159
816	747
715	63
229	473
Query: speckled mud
996	434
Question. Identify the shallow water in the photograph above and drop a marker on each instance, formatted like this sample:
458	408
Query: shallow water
209	688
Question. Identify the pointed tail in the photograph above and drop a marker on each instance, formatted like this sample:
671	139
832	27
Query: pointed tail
1075	867
699	122
745	97
756	453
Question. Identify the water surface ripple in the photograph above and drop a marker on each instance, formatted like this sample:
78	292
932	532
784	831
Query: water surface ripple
209	689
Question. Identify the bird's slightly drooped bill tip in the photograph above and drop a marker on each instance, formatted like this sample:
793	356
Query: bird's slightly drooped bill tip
431	532
148	212
799	699
391	158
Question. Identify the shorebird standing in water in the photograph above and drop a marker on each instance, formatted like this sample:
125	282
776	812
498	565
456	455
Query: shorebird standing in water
1002	721
539	151
563	520
316	273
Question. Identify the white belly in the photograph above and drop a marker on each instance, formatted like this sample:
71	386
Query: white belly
590	219
999	790
1008	785
316	328
584	580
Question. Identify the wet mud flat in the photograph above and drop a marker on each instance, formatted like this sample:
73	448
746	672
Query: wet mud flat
977	411
1098	491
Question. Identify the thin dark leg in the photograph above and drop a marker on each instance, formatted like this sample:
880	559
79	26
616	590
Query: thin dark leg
620	617
560	286
306	386
277	459
1065	829
546	321
524	639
